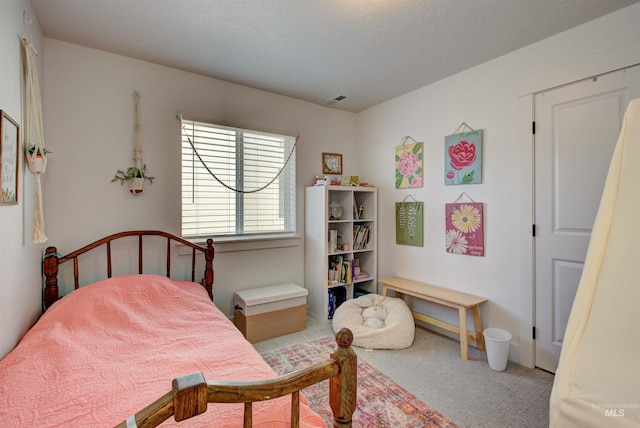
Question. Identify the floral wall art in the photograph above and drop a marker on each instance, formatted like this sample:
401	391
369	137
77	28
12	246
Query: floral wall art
463	158
331	163
9	159
409	223
465	228
409	164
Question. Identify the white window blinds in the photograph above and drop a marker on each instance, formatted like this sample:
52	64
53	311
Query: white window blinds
225	181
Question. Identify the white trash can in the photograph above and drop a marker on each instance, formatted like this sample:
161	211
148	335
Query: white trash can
497	342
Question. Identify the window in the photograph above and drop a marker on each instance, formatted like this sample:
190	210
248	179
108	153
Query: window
236	182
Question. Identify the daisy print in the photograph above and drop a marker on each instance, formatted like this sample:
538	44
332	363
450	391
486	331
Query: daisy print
465	228
466	218
456	242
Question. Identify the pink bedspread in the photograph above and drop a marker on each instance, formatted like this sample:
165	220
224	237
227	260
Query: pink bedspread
107	350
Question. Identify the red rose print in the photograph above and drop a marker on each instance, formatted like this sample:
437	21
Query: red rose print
462	155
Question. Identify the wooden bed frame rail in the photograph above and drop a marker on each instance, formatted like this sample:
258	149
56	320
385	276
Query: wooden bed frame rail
52	260
191	393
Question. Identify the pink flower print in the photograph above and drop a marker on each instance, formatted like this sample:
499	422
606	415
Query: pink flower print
450	175
462	155
417	181
408	164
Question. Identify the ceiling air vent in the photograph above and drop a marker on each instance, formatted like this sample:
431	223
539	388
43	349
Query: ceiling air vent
336	99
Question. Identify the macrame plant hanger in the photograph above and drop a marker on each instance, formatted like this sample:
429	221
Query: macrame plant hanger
136	174
35	151
137	146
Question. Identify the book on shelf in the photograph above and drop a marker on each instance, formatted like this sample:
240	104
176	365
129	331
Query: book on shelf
361	236
341	271
336	267
365	238
358	210
348	272
356	214
333	240
357	231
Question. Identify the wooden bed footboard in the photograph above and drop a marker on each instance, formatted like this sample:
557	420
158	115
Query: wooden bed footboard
52	260
191	393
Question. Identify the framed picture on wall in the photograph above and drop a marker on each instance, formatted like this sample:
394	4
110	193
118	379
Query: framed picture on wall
331	163
9	156
409	164
464	228
409	223
463	158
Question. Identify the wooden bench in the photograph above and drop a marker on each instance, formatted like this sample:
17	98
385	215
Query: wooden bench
442	296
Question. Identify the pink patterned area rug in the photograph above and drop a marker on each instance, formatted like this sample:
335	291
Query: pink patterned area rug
381	402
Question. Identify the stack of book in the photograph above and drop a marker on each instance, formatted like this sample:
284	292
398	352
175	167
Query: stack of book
340	270
357	272
361	235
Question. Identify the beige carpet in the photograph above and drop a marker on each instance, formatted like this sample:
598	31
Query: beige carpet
468	393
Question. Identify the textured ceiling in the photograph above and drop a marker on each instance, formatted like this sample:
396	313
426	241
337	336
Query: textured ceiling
367	50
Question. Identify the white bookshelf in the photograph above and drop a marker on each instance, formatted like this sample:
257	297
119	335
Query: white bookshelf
318	252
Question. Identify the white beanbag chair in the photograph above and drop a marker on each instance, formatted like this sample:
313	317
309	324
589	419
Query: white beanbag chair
377	322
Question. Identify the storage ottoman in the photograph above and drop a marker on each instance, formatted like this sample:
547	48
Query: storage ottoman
267	312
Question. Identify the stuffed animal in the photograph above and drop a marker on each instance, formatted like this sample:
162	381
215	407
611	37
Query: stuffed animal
373	323
374	316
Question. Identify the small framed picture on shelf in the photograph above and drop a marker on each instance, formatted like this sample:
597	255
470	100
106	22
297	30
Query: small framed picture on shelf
331	163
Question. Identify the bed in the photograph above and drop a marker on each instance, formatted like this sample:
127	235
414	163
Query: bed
134	350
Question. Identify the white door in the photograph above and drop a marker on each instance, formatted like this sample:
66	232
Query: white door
576	129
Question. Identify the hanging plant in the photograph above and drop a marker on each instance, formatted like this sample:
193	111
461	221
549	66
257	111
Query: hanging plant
38	157
137	174
41	151
135	177
33	131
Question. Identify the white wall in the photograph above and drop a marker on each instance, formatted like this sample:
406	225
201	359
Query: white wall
89	115
20	277
485	97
